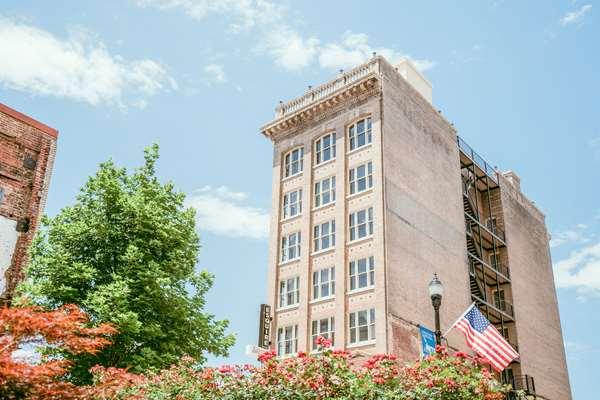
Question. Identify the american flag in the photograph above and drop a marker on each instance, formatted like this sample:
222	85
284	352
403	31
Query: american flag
484	338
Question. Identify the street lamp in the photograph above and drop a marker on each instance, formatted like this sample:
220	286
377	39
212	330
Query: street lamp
436	290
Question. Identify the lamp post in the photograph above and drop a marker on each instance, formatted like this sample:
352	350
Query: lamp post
436	290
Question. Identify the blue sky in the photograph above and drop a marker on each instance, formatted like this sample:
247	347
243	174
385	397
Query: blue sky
518	79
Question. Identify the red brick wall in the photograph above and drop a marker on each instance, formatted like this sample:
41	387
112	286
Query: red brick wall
27	150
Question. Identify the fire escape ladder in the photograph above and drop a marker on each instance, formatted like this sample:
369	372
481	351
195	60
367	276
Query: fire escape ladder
476	288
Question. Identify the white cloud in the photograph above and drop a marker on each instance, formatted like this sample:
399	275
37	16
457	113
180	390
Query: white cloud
289	49
35	61
580	271
223	212
276	37
577	351
575	17
244	14
575	235
215	73
354	49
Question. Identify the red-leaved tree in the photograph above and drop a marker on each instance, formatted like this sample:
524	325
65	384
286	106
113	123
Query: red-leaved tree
64	331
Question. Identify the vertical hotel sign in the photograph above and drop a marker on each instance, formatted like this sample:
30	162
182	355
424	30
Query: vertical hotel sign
264	327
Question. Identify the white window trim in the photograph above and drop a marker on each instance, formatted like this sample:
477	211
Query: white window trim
301	160
331	283
355	124
369	235
322	299
287	308
295	293
298	204
366	177
358	194
361	290
356	241
298	247
331	235
332	192
331	160
330	323
294	339
366	146
368	272
361	344
332	146
369	323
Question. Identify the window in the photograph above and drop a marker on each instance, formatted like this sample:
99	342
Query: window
290	247
507	376
504	332
360	133
325	191
1	194
289	292
323	283
323	327
361	224
292	203
494	260
324	235
325	148
362	273
362	326
499	301
491	224
361	178
293	162
287	340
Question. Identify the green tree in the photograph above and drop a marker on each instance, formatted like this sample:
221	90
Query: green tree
126	254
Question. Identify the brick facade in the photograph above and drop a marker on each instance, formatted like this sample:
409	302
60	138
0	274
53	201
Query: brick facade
421	213
27	151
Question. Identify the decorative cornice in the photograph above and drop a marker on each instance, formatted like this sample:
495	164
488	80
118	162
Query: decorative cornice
347	88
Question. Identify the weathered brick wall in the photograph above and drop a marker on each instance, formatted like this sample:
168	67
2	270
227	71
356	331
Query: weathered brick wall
536	308
27	150
425	227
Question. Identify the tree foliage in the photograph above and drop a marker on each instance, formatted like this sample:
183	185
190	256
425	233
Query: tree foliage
125	253
65	330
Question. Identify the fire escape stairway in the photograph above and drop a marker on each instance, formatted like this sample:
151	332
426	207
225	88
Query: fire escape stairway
472	247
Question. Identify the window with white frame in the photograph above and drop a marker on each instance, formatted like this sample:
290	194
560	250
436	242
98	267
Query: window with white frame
361	178
287	340
324	235
362	273
323	283
293	162
325	191
362	326
289	292
325	148
360	134
290	247
361	224
494	260
324	327
292	203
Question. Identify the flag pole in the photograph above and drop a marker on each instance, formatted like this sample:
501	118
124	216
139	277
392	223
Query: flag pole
459	318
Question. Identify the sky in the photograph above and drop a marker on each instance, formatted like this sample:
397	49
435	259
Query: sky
519	80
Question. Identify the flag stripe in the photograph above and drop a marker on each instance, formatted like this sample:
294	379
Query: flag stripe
480	347
485	339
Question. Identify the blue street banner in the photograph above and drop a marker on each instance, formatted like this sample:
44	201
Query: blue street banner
427	341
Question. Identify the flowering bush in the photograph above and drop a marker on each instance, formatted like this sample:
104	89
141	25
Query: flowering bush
331	374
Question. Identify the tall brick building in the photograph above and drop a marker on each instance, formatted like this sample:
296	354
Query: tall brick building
27	150
373	192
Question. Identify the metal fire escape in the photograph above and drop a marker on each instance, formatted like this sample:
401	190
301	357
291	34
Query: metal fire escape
489	274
